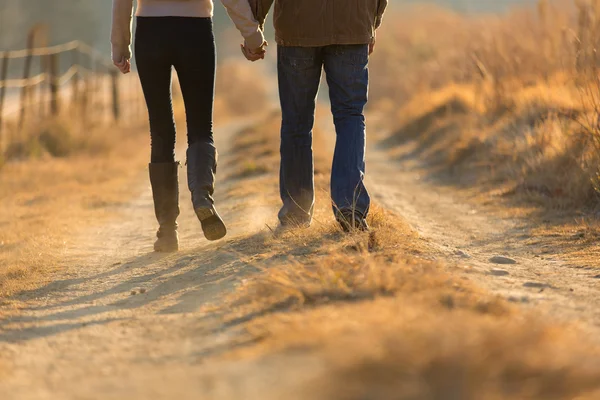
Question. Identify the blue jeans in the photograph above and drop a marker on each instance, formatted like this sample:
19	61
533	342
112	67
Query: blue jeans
299	70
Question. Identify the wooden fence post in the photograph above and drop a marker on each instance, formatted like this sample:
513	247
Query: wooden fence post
3	75
54	84
26	75
92	86
41	42
85	97
41	91
116	99
75	88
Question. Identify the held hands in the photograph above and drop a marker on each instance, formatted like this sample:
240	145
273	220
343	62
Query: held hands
124	65
254	54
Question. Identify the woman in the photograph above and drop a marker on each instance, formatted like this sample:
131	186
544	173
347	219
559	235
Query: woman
179	34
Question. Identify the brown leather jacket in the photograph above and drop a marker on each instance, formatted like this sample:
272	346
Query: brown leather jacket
311	23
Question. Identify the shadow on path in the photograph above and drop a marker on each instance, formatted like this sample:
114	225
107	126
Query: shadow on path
191	279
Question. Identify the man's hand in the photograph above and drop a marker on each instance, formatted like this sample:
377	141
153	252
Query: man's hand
124	65
372	46
254	55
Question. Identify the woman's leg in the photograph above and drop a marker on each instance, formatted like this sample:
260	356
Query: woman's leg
154	60
195	63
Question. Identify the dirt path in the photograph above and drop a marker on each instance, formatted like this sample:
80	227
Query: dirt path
122	322
86	333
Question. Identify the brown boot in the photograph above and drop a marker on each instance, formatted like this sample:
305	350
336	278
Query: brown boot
202	167
165	191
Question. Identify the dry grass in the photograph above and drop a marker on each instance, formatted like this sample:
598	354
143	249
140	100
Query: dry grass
537	149
408	348
387	322
505	108
57	137
392	326
509	102
431	47
415	328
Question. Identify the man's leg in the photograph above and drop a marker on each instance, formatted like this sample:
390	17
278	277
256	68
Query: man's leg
348	78
299	71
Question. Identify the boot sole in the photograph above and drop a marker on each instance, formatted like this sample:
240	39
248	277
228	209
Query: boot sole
212	224
166	249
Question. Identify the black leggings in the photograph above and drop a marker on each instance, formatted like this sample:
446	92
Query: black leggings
188	44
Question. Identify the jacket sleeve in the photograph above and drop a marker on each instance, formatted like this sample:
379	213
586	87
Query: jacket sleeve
122	16
261	8
380	11
241	14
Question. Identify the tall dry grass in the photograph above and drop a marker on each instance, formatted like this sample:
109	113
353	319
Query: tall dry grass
397	327
509	101
428	47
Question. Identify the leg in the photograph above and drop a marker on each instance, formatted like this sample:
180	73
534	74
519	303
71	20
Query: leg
299	71
348	79
165	192
196	64
154	66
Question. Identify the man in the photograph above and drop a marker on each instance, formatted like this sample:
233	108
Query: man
339	36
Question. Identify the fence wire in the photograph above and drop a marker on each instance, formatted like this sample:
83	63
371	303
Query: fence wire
45	94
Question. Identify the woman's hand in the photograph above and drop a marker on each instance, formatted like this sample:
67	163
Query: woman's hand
124	65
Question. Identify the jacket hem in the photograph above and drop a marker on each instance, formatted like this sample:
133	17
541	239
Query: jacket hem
320	42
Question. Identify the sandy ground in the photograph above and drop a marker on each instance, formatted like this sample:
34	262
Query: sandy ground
122	322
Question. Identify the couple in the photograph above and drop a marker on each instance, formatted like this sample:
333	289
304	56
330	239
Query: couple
337	35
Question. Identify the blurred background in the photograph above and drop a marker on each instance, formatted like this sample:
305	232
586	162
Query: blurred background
89	20
482	57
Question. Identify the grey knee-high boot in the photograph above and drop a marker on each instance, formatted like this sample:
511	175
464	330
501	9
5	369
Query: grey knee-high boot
202	167
165	191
